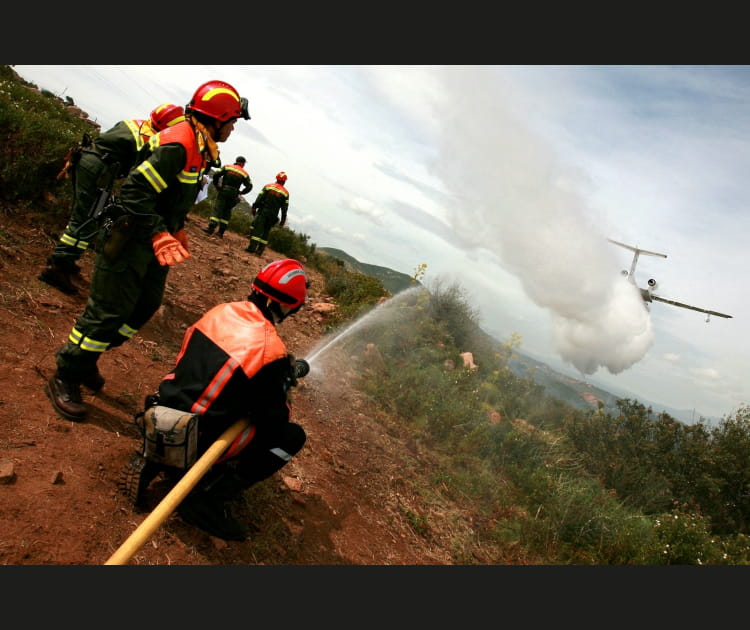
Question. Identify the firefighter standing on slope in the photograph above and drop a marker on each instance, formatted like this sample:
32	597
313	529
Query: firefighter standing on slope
270	200
146	237
230	182
116	148
232	364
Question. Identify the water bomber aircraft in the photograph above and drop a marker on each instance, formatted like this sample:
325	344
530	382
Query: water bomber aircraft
648	294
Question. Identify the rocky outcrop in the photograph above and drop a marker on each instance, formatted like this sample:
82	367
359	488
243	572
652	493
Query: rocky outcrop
468	358
66	103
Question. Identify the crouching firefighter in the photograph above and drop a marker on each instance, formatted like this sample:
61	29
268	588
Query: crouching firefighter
232	364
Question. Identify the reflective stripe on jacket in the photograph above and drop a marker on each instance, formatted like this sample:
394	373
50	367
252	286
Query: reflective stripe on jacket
161	190
240	337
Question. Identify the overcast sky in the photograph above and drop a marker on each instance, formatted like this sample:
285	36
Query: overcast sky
509	180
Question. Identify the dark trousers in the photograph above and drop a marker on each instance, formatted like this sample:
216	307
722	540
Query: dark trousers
268	452
262	223
80	233
222	210
124	295
266	455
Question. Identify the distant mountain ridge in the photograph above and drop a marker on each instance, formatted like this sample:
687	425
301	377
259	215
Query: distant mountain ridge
393	281
584	394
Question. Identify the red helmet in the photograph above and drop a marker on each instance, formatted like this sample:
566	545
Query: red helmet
218	100
166	115
284	282
281	177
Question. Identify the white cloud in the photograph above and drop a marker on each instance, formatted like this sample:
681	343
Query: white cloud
365	208
706	373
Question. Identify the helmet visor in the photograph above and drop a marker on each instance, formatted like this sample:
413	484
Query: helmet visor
243	106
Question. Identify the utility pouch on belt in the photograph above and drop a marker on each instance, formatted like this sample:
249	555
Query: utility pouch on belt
170	436
116	232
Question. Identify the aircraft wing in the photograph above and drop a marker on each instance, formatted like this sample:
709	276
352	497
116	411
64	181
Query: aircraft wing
692	308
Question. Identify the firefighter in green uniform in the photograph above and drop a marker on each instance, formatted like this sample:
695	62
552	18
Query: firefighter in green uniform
116	149
270	200
230	182
146	237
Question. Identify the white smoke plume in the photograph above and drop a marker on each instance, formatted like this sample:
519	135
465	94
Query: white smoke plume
513	197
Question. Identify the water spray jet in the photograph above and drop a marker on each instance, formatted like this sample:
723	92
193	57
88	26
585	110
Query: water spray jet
368	318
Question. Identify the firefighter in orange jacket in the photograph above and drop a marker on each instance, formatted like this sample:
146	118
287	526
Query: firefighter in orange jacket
145	237
117	148
232	364
230	182
273	198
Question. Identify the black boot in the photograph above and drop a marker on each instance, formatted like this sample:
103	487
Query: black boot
210	229
220	233
58	277
93	380
136	477
65	396
207	507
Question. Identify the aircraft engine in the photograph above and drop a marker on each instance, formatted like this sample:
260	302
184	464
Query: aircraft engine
651	284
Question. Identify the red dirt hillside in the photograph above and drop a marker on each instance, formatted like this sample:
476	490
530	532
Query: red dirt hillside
342	500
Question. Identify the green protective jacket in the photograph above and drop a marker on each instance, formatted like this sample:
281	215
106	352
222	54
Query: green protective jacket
161	190
272	198
230	182
121	144
233	178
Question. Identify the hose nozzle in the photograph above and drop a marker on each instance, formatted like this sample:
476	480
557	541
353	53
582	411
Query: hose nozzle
301	368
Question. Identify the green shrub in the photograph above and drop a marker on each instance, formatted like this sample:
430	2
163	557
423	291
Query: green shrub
355	293
291	244
580	523
241	221
36	135
685	538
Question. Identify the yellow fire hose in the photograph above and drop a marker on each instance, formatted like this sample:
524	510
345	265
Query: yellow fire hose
177	494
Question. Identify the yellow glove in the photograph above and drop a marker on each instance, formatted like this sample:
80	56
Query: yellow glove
181	236
168	249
